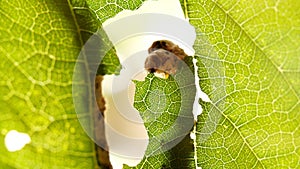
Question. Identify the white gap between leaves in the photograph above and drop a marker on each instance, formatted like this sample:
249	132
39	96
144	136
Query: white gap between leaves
125	132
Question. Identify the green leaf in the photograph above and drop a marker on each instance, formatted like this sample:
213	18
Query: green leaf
110	64
165	106
103	10
108	9
248	61
40	42
252	76
181	156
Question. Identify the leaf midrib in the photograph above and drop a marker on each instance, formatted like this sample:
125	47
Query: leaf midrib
87	77
259	48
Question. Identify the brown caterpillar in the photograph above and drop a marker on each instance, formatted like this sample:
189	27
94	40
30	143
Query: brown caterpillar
169	46
164	57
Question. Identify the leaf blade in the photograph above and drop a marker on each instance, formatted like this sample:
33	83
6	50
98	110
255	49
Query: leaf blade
36	84
250	111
